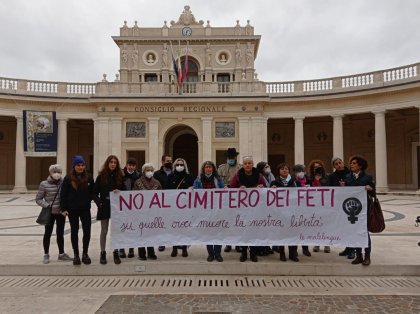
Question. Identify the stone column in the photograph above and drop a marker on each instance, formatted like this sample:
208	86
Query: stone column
338	139
154	141
62	144
244	130
20	159
299	141
102	140
206	142
116	137
380	152
259	138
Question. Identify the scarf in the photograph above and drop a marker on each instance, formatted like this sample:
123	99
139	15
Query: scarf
147	184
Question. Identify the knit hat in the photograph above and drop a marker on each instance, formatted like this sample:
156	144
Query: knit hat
55	167
77	159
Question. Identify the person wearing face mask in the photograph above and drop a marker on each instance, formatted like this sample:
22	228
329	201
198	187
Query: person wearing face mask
130	176
226	172
162	176
147	182
301	177
265	170
318	178
179	179
337	178
75	202
110	179
48	196
209	179
284	179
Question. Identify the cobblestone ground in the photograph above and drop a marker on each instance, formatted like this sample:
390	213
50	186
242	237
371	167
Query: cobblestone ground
200	304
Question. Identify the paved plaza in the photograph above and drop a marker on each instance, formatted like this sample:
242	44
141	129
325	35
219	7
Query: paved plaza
320	283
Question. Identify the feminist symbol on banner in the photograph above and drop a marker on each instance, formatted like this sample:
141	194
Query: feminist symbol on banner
352	207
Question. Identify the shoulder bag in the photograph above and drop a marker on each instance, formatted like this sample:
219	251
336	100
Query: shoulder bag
376	221
44	216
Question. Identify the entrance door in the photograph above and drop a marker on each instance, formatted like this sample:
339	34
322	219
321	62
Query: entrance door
181	142
186	147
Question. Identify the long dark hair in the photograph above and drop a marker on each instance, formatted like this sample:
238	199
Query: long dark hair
214	171
83	182
105	173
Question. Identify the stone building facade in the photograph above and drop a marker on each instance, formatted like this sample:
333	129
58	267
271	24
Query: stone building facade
144	113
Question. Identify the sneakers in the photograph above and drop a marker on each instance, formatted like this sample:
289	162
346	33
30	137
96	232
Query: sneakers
64	257
46	259
102	259
86	259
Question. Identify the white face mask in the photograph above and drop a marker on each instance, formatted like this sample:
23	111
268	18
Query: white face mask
267	170
149	174
179	168
130	171
300	175
56	176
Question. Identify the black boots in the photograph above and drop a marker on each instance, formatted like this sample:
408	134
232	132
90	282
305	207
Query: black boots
305	251
116	257
122	253
130	253
184	251
102	259
76	258
282	254
142	253
86	259
366	261
358	259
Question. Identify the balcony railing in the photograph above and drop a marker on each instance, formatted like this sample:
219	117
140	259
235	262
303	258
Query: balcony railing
362	81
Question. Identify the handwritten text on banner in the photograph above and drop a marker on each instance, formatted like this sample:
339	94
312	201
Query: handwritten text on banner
283	216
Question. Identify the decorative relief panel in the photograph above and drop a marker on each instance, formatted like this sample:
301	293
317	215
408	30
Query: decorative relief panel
225	129
135	129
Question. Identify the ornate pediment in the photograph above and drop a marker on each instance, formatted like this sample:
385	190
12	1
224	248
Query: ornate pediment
187	18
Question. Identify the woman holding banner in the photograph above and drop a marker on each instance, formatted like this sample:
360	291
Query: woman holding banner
359	177
210	179
248	177
284	179
179	179
147	182
110	178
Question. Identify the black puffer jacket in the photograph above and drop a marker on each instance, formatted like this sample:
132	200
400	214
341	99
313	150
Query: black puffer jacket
179	180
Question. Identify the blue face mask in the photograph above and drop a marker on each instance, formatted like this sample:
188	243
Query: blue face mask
231	162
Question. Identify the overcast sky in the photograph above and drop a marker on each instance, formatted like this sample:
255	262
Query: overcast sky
69	40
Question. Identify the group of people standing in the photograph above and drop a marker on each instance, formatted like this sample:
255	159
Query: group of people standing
72	195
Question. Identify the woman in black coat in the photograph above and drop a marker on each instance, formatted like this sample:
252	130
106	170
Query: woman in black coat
75	198
179	179
284	179
359	177
110	178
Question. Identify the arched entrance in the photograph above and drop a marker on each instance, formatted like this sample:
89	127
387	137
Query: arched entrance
182	142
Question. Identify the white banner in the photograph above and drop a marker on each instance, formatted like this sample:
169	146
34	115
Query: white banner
334	216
